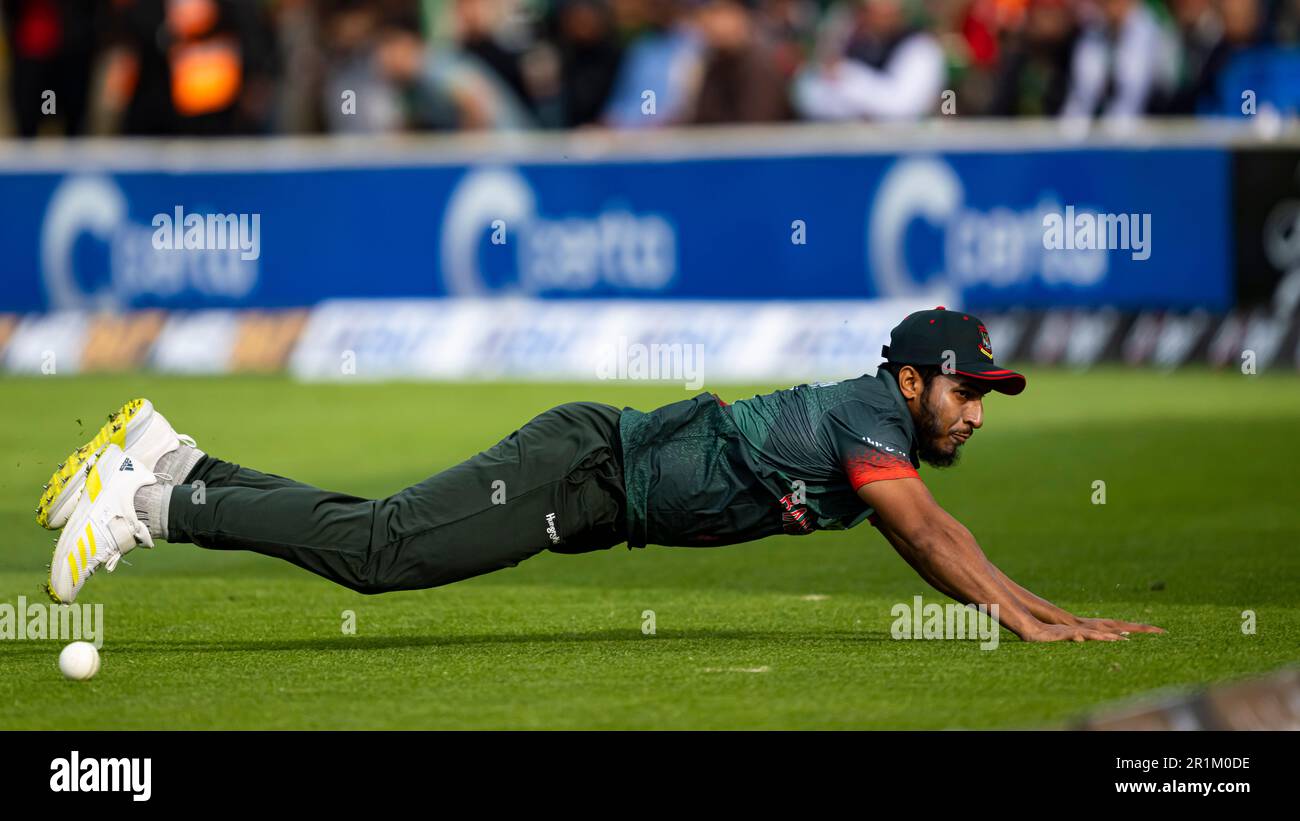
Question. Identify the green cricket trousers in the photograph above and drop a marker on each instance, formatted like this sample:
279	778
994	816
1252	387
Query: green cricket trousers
555	484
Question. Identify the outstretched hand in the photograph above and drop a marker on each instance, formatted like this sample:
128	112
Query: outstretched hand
1070	632
1089	630
1117	626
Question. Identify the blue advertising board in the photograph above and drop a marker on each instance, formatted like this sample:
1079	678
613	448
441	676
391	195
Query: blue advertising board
788	227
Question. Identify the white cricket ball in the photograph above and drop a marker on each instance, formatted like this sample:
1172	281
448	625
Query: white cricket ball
79	661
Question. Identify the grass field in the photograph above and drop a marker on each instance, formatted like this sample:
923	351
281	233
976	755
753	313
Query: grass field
1201	522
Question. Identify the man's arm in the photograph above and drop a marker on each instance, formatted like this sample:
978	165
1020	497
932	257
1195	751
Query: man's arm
947	556
905	89
1041	608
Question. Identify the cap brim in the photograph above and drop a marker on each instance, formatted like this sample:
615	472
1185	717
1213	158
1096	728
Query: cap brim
998	379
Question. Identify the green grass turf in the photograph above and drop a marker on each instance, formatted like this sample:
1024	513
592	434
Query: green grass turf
1202	521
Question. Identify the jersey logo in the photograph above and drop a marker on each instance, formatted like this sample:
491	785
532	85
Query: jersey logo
794	518
881	446
986	347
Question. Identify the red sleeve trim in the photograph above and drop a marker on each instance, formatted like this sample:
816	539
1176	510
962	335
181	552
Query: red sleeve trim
867	475
869	465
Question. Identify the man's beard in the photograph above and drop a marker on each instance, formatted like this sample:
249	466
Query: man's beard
932	432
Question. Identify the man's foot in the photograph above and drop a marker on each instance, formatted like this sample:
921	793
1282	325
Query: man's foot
139	430
101	529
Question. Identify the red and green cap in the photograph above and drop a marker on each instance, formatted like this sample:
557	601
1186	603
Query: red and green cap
925	337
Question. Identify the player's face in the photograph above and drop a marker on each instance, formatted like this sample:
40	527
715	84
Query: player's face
951	409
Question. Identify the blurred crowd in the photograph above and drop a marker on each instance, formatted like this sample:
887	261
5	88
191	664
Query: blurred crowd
164	67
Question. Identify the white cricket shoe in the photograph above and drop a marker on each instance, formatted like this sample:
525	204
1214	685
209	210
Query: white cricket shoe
139	430
101	529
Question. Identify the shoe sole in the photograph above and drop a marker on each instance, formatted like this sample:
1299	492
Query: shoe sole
71	473
86	549
77	526
49	578
49	591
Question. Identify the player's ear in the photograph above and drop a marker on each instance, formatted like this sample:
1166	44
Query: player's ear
910	382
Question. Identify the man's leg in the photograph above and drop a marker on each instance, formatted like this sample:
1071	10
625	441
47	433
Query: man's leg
556	483
211	472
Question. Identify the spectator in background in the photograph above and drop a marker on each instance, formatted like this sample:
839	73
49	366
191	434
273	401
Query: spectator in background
589	57
1241	23
979	26
1117	63
741	82
884	69
1035	65
356	97
1268	77
660	73
196	67
445	88
476	24
1201	54
1284	22
790	27
51	47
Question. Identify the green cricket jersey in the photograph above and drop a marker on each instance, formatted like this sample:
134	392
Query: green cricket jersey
701	472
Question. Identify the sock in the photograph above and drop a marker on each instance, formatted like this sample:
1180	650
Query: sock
179	463
152	503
